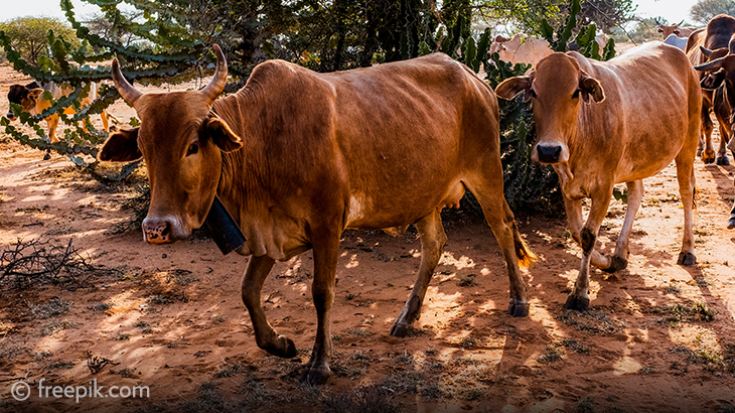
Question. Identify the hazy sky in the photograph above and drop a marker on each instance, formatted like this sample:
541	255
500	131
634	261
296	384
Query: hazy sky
672	10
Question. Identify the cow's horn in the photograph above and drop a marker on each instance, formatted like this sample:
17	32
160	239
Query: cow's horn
126	90
711	65
705	51
217	85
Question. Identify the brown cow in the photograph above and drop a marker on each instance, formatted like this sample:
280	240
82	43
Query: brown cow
675	29
299	157
700	47
720	81
526	50
602	123
31	98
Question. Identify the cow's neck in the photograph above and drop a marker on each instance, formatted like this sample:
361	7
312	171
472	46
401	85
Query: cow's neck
239	177
579	147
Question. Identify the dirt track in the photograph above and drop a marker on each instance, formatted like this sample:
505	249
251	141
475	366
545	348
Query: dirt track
172	317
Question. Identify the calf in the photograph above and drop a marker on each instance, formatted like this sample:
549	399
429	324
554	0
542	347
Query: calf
602	123
675	29
32	99
298	157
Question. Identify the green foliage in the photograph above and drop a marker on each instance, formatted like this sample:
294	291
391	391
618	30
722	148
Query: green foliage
704	10
30	37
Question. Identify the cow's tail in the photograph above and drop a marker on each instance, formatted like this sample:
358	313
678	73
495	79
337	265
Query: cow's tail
525	256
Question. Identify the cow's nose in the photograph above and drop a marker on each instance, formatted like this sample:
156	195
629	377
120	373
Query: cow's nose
157	230
548	153
10	115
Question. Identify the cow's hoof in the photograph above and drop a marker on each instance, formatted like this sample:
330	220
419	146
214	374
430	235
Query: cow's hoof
616	264
318	375
577	303
723	160
708	157
400	330
731	223
518	308
687	259
283	347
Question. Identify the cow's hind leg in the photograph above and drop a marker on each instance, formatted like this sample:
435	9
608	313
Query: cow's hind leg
488	189
433	239
619	259
731	223
265	335
685	176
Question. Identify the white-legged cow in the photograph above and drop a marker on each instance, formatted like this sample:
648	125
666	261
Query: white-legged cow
298	157
602	123
32	99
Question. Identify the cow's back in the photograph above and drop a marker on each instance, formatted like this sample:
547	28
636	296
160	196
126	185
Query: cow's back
407	131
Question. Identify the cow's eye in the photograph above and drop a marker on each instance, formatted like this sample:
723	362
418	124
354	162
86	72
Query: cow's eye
575	95
193	148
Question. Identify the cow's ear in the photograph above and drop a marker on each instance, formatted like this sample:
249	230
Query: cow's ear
590	86
510	88
121	146
34	94
222	135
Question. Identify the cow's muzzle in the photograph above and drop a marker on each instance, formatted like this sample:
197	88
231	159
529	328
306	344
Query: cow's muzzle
157	230
10	115
548	153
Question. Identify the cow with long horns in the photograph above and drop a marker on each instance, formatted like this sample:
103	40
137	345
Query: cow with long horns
298	157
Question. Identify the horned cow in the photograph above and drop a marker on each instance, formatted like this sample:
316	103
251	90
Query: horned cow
298	157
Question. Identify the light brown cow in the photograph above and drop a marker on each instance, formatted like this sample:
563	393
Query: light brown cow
298	157
675	29
32	99
602	123
526	50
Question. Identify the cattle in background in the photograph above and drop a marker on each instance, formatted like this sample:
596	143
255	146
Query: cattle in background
668	29
526	50
676	41
719	80
298	157
715	36
32	99
603	123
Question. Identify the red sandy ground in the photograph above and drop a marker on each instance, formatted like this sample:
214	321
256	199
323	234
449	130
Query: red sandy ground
172	318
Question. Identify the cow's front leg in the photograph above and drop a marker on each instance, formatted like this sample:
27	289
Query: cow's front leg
619	259
265	335
433	239
685	176
731	223
579	299
708	156
326	252
725	134
52	122
575	222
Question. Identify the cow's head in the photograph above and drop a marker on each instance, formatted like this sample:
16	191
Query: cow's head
27	96
719	76
557	88
667	29
181	141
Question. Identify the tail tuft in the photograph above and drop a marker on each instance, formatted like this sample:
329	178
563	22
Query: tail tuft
526	257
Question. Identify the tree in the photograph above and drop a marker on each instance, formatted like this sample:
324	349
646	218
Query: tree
607	14
705	10
30	36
